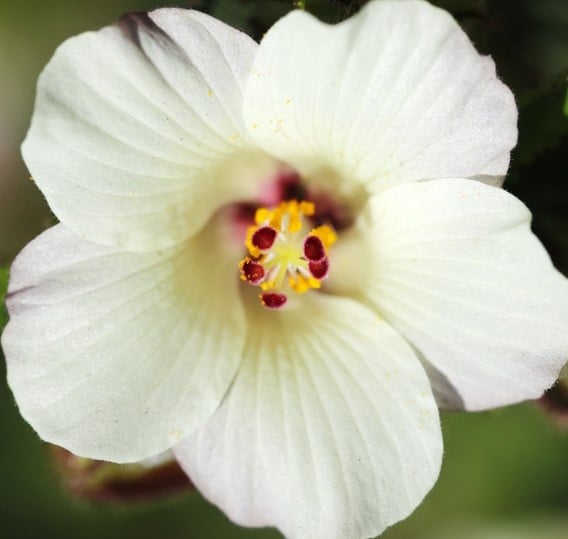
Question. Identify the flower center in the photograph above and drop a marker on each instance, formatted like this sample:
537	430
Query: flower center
282	257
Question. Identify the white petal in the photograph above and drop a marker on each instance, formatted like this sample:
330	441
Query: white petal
137	134
117	356
395	93
454	266
329	431
157	460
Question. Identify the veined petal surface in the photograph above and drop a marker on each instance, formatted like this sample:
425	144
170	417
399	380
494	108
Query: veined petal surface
453	265
137	136
115	355
395	93
330	429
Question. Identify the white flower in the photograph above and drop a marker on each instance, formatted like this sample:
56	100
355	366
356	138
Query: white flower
131	332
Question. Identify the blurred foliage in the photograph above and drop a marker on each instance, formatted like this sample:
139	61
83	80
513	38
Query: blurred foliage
505	474
555	401
3	288
542	528
541	126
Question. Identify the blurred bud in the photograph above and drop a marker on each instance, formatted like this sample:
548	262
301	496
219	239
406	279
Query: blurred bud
100	481
555	400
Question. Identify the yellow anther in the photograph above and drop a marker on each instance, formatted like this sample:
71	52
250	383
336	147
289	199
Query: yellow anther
326	234
295	224
267	285
254	251
262	215
287	215
314	283
276	219
307	208
241	264
301	284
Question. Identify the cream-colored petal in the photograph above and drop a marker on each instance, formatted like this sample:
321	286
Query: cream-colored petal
453	265
329	431
396	93
137	136
115	355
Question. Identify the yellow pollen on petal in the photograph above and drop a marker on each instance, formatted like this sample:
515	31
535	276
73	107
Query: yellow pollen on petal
281	264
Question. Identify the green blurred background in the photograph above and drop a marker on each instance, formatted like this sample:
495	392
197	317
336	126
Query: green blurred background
505	474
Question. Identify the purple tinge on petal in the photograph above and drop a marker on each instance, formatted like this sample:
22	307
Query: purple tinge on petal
130	24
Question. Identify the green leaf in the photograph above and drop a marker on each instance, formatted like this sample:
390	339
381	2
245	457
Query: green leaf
566	104
3	289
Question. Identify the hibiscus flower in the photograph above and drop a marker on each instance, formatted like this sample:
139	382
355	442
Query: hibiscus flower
276	258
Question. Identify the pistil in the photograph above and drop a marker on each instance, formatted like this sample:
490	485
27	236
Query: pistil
282	258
